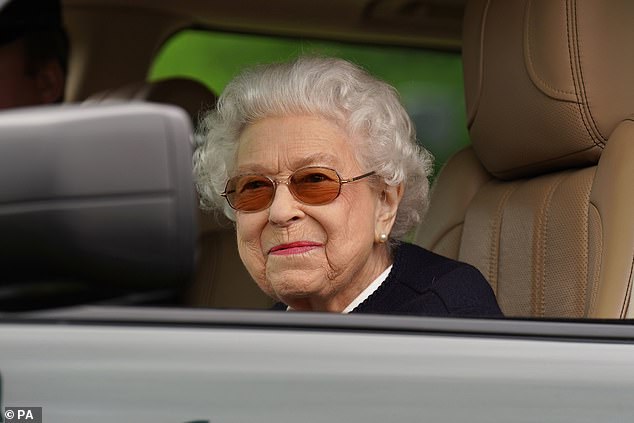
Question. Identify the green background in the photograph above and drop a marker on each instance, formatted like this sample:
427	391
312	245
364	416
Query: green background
429	82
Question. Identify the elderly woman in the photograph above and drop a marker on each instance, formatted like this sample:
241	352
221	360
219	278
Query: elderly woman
317	163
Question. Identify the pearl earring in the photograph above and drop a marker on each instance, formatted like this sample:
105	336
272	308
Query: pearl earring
382	238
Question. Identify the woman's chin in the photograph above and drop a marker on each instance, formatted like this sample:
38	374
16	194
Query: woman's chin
297	270
291	286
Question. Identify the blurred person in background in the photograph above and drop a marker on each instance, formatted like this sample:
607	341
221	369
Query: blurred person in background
34	52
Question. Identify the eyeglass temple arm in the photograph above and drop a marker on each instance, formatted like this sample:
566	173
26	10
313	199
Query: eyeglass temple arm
356	178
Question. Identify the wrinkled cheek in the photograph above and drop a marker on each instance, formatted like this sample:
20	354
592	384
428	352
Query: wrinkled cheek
347	252
251	256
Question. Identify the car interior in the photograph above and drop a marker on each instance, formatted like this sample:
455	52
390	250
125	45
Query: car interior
541	201
220	279
104	207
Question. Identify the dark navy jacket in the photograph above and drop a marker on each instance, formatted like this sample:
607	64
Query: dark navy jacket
423	283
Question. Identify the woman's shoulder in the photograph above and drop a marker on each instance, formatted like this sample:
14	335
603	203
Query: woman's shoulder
420	261
460	286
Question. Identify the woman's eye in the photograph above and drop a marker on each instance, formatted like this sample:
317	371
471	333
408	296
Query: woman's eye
254	184
312	178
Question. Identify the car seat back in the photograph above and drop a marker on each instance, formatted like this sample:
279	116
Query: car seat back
96	203
220	278
543	201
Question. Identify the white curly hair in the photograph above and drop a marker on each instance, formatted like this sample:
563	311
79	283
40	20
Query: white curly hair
367	108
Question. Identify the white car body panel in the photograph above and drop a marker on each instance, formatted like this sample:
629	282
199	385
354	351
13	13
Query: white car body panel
159	372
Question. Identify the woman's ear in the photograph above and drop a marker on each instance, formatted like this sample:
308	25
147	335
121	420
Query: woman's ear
389	199
50	81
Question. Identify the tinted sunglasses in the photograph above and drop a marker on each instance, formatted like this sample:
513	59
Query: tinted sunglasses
313	185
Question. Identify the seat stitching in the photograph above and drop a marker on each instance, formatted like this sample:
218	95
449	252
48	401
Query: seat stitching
595	127
584	287
539	280
572	56
592	299
628	293
530	56
573	46
477	100
541	162
496	224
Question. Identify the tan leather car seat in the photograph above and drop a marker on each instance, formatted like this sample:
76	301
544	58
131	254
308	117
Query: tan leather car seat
221	280
543	201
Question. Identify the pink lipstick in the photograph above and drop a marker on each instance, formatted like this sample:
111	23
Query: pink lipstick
298	247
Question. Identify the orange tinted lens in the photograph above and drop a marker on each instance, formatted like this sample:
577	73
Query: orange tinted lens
250	192
315	185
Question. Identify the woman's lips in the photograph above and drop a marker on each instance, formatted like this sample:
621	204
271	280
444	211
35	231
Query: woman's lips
298	247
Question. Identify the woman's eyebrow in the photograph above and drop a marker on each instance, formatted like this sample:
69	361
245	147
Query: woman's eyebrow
252	168
315	159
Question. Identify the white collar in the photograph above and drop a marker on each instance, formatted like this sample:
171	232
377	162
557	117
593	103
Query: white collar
368	291
365	293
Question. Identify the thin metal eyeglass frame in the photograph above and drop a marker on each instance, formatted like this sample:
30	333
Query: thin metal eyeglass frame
286	182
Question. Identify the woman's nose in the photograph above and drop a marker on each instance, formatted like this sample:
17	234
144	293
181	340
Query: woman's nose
285	208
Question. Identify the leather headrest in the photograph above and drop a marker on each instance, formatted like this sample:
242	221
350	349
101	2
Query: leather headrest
192	96
546	81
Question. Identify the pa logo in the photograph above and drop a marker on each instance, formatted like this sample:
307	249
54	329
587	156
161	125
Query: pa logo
23	414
